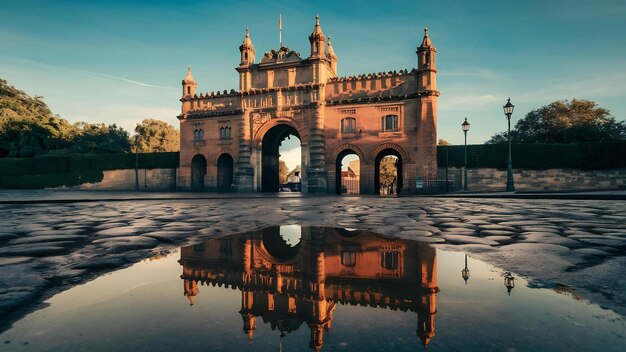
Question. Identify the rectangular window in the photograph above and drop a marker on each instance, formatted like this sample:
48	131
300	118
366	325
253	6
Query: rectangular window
348	258
389	260
390	123
348	125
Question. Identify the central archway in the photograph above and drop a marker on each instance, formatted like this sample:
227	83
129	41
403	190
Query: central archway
270	167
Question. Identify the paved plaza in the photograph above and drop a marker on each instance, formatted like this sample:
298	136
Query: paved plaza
578	246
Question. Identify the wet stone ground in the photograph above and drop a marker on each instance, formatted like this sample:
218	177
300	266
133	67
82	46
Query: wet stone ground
579	246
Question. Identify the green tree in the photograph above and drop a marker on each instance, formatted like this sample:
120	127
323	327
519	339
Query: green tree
566	122
156	136
100	139
28	127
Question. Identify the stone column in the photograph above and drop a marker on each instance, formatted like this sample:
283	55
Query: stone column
244	173
316	171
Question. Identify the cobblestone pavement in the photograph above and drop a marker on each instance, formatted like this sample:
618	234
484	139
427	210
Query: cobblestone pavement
46	248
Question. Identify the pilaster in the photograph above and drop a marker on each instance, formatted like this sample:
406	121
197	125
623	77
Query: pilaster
316	171
244	174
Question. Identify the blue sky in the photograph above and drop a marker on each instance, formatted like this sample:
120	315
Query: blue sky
119	62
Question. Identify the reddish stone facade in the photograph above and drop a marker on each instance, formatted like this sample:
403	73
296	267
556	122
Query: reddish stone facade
230	139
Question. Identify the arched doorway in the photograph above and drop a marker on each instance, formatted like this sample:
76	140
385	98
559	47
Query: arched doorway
388	172
224	173
198	171
347	172
271	163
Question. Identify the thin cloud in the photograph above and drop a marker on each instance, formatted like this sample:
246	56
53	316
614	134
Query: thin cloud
104	75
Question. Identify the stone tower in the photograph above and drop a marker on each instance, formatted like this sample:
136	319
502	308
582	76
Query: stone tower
247	58
427	90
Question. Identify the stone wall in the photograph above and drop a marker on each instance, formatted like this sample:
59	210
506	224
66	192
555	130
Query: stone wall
124	180
487	179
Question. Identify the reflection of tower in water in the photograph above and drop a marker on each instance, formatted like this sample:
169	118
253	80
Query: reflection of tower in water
290	286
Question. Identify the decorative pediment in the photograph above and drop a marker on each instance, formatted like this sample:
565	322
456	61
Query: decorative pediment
282	55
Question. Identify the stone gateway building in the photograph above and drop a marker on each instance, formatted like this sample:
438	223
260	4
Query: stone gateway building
230	139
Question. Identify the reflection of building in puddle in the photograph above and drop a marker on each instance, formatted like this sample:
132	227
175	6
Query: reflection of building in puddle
287	283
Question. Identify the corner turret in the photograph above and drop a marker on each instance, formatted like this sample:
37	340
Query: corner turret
247	50
332	57
426	64
317	40
189	84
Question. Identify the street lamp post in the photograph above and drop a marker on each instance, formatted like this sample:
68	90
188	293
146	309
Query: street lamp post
137	164
508	111
465	126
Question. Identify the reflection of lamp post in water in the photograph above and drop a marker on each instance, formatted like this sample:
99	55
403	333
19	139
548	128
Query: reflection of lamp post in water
509	282
465	273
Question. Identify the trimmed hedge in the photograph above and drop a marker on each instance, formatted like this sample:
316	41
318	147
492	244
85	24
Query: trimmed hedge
589	156
68	164
67	179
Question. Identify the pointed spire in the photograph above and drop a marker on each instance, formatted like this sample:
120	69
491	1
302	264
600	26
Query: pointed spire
317	40
331	52
318	29
189	77
246	39
247	50
426	41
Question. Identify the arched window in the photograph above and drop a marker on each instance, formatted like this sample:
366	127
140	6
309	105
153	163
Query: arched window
188	90
198	135
348	125
390	123
225	133
245	55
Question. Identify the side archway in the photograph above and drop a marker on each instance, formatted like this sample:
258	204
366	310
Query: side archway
354	180
224	173
398	181
198	171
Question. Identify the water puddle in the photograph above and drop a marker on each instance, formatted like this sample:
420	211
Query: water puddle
295	288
